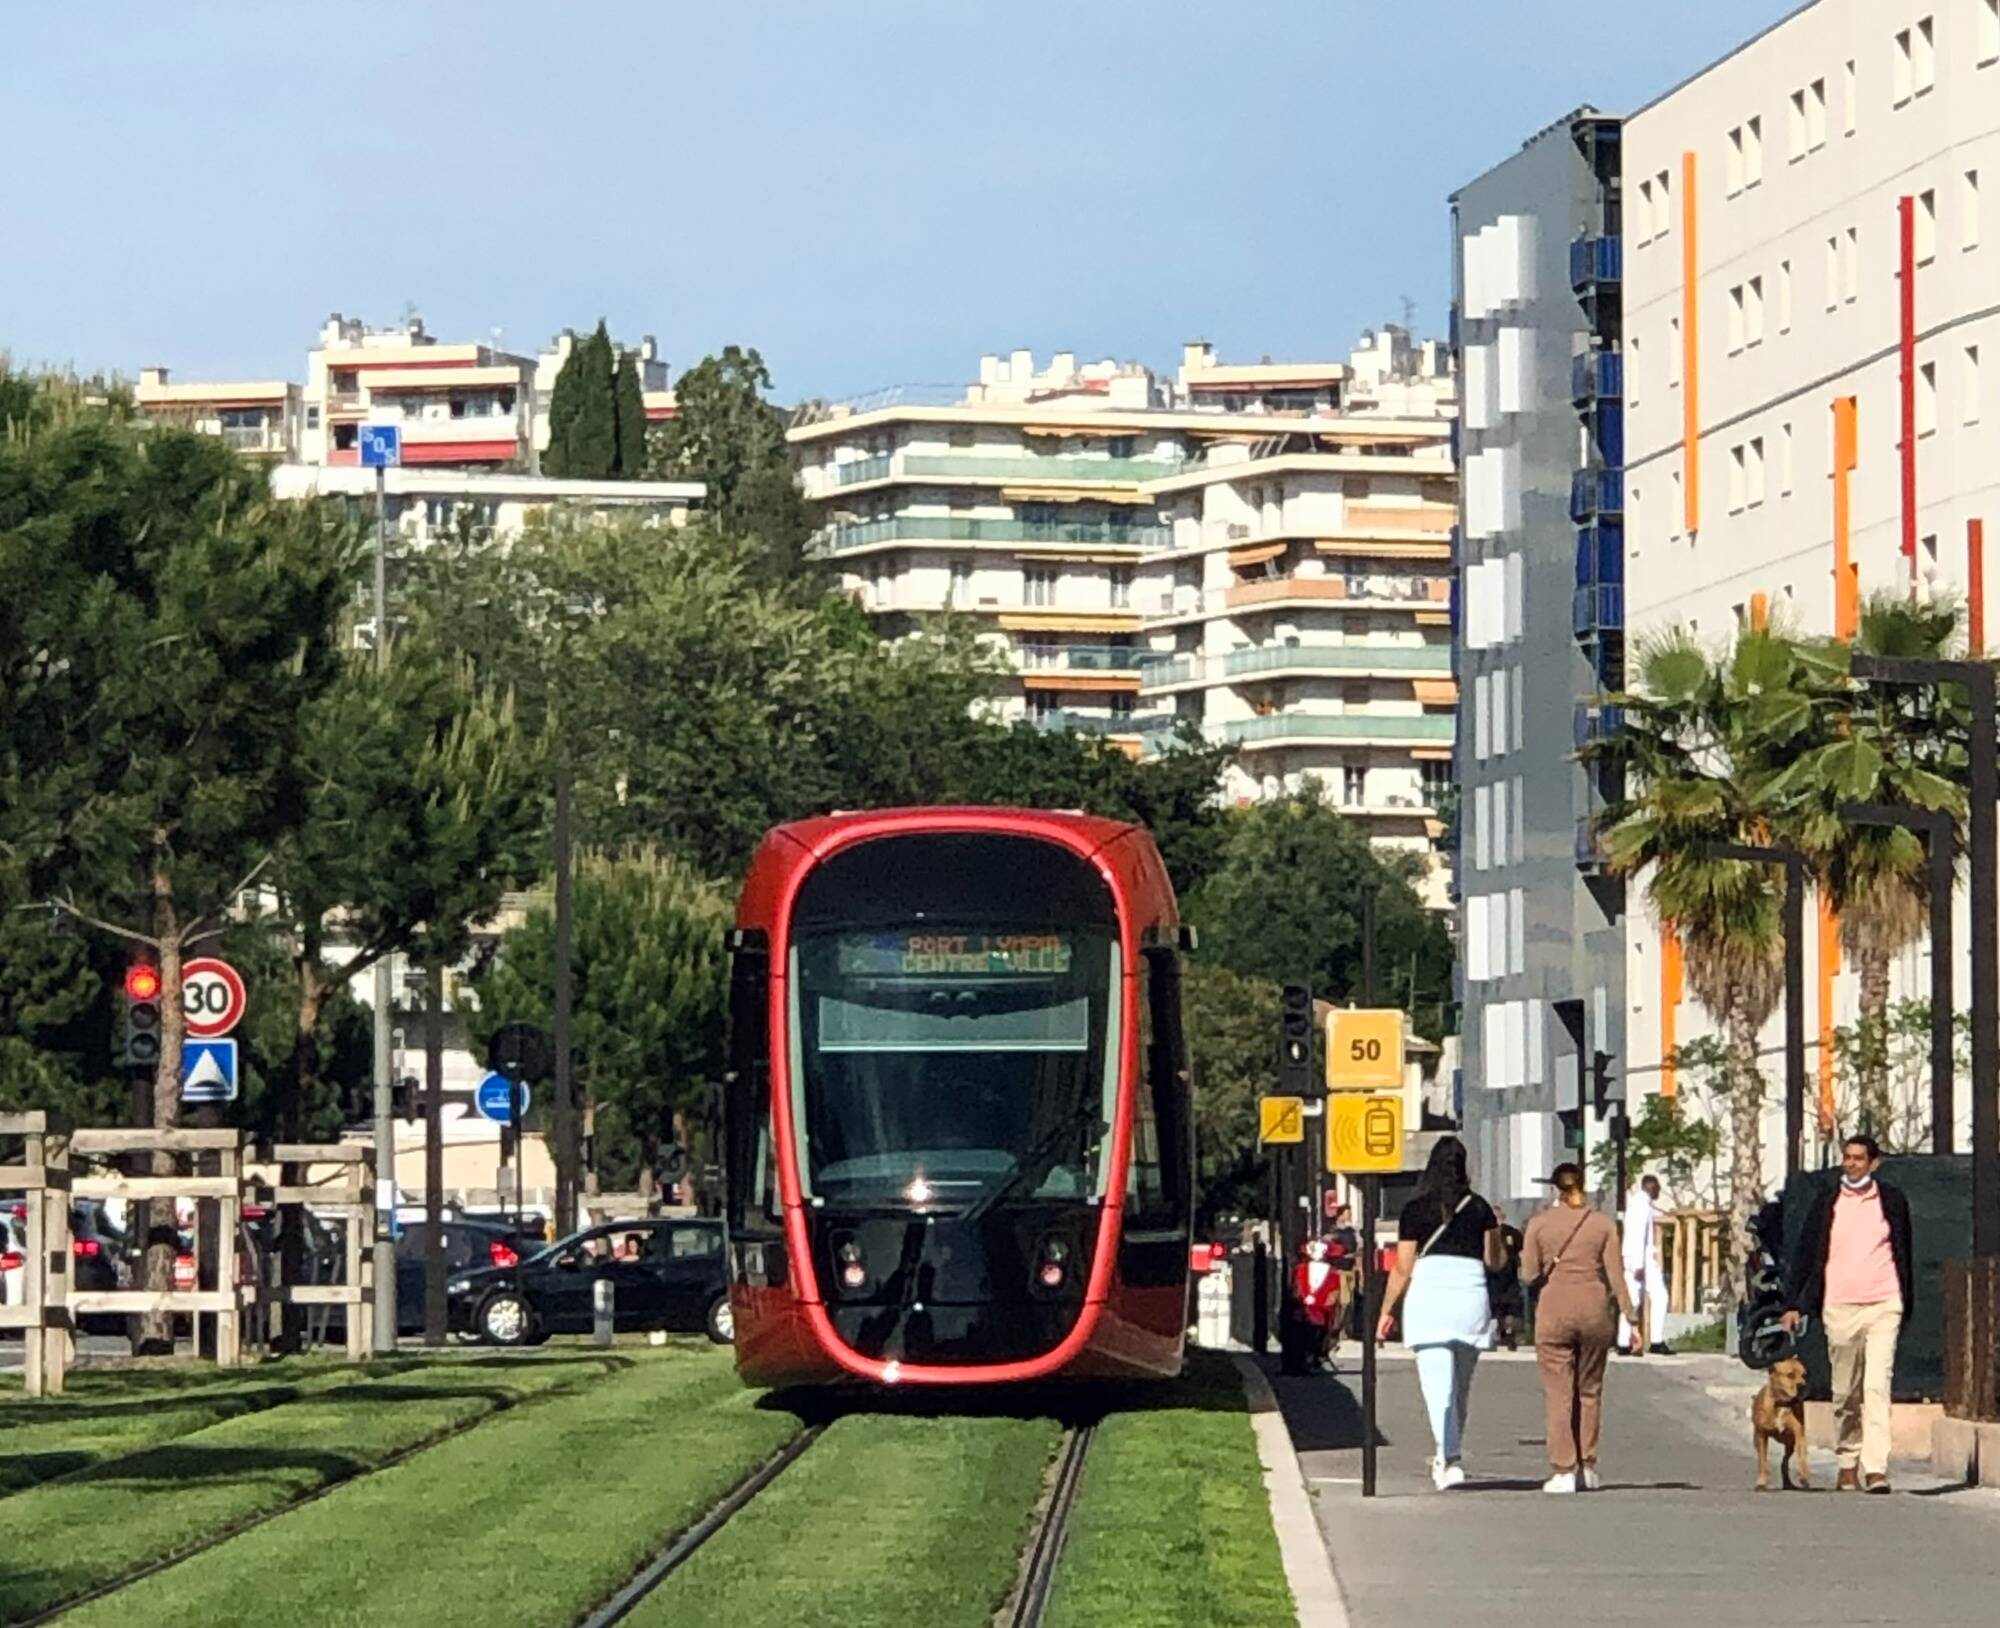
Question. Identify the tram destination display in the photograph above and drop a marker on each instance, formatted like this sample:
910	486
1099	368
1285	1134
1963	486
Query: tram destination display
954	955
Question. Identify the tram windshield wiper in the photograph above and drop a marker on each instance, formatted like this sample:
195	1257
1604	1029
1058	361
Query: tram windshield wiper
1035	1163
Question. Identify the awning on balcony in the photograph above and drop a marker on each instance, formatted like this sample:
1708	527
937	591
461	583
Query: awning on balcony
1061	431
1043	551
1029	621
1436	691
1074	494
1415	548
1433	618
1256	554
1431	754
1100	683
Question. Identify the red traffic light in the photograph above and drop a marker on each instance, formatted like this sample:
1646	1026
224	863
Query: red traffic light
142	982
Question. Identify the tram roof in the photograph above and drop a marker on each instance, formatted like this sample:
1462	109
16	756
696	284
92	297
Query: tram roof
1095	830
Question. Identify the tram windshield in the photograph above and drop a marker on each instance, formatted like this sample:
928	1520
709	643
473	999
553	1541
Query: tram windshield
946	1065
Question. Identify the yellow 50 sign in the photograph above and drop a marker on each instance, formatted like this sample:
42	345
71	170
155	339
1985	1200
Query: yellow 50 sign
1364	1050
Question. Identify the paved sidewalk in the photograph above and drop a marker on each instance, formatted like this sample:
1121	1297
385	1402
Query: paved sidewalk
1677	1537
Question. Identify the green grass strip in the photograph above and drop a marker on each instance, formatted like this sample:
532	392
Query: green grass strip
530	1520
887	1519
103	1414
1171	1525
66	1537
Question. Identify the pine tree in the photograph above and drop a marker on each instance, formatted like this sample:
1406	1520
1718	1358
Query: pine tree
591	452
630	403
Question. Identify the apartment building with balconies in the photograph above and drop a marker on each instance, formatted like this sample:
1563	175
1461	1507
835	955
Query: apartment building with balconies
465	405
264	418
1297	604
1811	291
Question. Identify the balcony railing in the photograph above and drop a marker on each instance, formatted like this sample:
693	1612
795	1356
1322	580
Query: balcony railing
1600	609
1084	723
253	438
967	529
1056	469
1594	260
1078	658
1596	374
861	469
1159	672
1596	491
1594	721
1431	728
1340	658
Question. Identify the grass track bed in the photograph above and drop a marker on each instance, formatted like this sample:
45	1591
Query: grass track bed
1171	1525
530	1520
146	1506
103	1414
888	1519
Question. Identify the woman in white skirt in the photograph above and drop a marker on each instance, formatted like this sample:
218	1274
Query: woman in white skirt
1446	1243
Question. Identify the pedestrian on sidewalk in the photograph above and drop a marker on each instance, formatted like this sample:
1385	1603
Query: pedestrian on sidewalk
1570	1254
1503	1285
1643	1275
1852	1270
1446	1242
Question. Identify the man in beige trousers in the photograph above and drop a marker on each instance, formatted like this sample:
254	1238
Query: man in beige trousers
1852	1269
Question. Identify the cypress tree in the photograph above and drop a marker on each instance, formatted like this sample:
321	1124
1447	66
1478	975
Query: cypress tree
564	401
592	449
630	402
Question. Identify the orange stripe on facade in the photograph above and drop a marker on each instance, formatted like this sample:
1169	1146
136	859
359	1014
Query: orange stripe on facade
1671	979
1829	969
1846	575
1760	613
1690	351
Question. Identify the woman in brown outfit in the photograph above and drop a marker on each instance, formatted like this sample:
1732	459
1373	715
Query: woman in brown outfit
1571	1252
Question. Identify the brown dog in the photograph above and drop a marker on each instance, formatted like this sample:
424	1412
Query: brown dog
1779	1414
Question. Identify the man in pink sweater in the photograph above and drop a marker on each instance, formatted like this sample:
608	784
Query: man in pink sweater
1852	1269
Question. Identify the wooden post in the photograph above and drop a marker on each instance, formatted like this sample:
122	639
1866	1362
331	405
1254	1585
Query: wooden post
361	1265
229	1324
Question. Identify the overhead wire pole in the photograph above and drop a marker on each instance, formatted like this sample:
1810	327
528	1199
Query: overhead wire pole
1370	1288
385	1125
565	1115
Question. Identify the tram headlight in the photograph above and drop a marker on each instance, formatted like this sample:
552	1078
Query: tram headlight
853	1269
1054	1267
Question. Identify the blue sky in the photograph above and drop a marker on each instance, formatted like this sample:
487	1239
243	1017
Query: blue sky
872	192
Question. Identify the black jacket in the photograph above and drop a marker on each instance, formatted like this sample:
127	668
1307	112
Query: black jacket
1806	1285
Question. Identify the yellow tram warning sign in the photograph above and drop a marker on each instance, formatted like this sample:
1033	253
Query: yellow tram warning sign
1364	1135
1281	1119
1364	1050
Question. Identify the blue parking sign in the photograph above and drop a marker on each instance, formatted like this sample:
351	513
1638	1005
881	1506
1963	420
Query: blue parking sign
381	446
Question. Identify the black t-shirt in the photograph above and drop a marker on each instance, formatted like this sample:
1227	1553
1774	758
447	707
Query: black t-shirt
1465	1236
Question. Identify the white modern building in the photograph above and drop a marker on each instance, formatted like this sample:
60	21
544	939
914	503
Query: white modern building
1261	551
1809	227
426	501
1298	604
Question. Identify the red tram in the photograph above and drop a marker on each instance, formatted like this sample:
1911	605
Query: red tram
959	1127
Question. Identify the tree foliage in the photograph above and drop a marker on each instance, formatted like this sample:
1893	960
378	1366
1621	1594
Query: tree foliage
650	977
591	424
629	407
1232	1042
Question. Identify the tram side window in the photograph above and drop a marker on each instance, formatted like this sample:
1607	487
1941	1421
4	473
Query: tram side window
752	1175
1160	1162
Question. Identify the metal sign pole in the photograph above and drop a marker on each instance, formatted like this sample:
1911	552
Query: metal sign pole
385	1125
1370	1297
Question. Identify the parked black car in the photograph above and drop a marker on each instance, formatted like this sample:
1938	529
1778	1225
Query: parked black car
469	1246
664	1273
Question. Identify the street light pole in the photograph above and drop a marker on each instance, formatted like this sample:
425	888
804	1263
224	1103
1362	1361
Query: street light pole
385	1124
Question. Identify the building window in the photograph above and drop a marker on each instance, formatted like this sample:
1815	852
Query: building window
1736	319
1437	781
1354	785
1784	297
312	418
1753	312
1926	226
1645	233
1833	273
1923	57
1785	466
1754	472
1632	377
960	435
1850	265
1663	189
1753	153
1736	479
1733	168
1040	585
1927	399
1795	128
1972	384
1989	32
1849	99
1122	703
1902	72
1675	512
1121	587
1816	115
1042	705
1968	208
1673	353
961	583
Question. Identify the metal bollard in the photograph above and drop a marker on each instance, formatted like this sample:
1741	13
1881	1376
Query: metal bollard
601	1311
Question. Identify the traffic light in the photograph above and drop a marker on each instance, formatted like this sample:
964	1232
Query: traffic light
406	1099
1600	1082
1571	1120
140	1043
1295	1043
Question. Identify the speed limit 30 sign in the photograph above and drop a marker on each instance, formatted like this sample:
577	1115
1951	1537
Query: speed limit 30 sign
212	997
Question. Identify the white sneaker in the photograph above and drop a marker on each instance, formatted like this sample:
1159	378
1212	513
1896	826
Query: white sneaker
1592	1482
1454	1475
1560	1483
1437	1474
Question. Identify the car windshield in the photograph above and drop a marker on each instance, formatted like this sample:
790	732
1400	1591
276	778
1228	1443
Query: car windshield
932	1066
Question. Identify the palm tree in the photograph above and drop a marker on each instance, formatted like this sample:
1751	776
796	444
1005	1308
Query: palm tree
1695	729
1900	745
